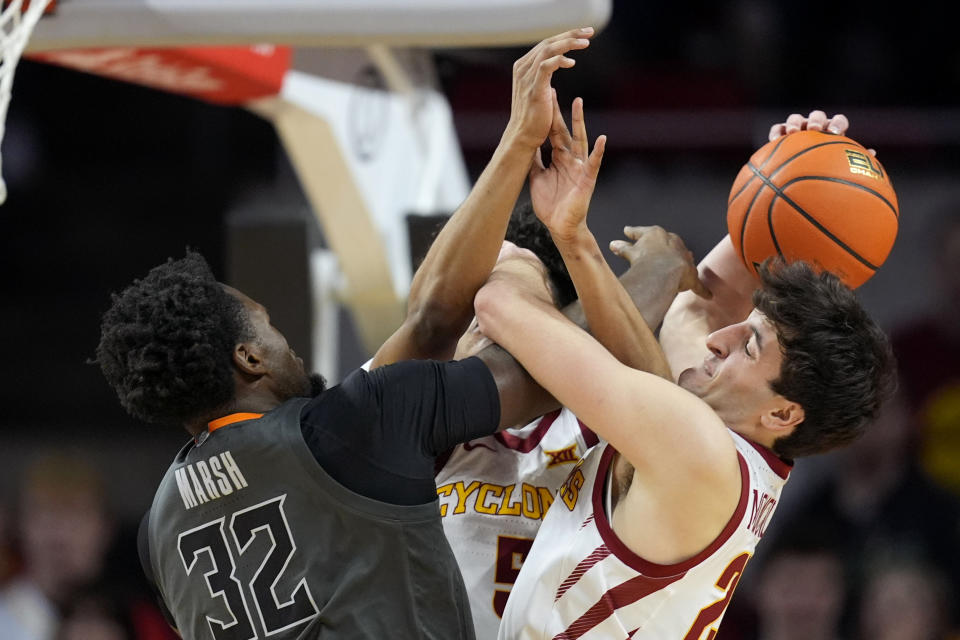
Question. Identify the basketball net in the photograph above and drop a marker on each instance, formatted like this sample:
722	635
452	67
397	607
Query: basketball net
16	25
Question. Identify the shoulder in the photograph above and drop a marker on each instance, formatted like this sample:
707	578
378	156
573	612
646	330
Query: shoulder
760	459
672	513
411	371
559	428
569	426
356	395
362	385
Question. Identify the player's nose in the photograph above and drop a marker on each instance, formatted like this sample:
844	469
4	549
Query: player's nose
719	341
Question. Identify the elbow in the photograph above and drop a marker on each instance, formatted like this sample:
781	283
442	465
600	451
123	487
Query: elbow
435	317
484	304
436	328
488	306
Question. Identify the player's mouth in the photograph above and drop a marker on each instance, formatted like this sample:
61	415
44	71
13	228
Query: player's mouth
709	366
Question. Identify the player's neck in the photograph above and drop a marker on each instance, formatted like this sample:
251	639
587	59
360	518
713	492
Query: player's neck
254	400
755	433
246	401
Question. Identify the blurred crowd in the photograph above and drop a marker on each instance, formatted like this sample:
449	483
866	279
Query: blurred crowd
68	570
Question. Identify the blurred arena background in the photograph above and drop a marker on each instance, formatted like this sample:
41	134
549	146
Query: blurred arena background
107	179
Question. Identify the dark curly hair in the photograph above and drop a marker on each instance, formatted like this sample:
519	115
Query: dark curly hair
167	340
837	363
527	232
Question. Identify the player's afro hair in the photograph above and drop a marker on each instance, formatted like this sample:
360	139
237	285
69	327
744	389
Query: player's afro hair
837	363
527	232
166	343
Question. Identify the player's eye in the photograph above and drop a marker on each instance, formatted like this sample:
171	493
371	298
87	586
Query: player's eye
746	348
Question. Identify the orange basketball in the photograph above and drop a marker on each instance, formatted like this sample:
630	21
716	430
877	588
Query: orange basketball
817	197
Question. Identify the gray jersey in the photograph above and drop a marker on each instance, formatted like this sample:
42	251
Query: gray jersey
250	538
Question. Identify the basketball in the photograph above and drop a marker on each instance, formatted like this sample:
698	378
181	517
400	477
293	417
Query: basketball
817	197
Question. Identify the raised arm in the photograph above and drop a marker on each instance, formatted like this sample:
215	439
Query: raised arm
440	304
561	197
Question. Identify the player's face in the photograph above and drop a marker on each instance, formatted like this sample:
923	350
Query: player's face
286	373
735	378
473	341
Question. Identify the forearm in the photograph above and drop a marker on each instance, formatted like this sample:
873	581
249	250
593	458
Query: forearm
611	313
521	398
691	318
651	296
464	252
440	304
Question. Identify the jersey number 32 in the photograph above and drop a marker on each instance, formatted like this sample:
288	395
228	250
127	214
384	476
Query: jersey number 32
209	551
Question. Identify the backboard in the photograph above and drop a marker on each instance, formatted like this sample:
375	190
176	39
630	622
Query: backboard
367	130
433	23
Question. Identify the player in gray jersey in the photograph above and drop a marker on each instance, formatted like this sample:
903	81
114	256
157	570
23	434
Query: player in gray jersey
280	516
297	511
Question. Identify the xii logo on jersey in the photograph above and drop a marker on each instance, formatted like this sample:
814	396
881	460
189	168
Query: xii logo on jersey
862	164
562	456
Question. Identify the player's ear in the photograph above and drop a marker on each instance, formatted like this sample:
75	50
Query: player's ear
783	418
247	358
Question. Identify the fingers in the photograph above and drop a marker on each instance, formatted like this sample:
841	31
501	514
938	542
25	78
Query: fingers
537	165
777	131
545	69
691	280
838	124
559	135
596	157
635	233
553	46
816	121
581	145
620	248
794	123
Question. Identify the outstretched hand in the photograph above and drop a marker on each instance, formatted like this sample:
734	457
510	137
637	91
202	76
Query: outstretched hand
654	245
561	193
816	121
531	110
